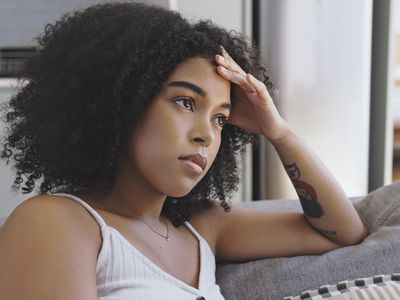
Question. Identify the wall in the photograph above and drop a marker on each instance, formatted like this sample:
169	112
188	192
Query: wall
318	54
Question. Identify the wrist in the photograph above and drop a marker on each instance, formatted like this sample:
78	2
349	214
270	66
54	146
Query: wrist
281	133
285	135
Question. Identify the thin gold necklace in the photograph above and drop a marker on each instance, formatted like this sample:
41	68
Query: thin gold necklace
166	224
166	237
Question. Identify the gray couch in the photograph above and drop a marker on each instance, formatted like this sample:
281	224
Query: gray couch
275	278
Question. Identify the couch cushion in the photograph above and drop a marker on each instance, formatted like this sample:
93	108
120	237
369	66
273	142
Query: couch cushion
275	278
371	288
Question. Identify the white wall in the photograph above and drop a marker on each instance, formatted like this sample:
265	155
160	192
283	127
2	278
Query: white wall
214	10
319	53
396	62
21	21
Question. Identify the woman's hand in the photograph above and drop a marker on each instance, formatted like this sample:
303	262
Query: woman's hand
254	110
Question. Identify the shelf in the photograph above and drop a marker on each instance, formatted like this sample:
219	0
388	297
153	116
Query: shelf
8	83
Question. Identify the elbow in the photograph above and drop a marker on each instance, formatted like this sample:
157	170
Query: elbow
355	238
363	234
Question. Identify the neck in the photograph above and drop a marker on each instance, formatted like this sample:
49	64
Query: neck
146	204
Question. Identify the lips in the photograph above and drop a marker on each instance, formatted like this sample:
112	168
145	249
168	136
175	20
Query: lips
197	159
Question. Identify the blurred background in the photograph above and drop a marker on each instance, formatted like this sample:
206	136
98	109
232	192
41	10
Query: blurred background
335	66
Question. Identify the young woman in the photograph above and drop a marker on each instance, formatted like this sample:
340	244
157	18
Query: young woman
130	121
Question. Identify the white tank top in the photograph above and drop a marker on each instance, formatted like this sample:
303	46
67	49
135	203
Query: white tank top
125	273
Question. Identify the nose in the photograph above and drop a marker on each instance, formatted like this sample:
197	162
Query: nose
203	132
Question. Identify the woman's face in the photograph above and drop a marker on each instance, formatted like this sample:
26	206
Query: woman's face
184	119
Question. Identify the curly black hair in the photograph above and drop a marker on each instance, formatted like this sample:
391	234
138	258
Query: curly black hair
95	72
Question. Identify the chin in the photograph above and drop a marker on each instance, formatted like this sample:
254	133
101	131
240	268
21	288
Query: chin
179	194
181	191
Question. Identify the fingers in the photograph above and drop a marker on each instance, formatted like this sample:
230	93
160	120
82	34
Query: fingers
259	86
230	70
227	61
237	78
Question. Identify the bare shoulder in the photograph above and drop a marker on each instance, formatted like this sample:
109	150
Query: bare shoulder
48	250
57	214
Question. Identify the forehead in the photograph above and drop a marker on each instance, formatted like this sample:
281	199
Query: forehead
203	73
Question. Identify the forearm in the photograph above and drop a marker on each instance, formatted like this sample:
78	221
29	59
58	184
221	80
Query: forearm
326	207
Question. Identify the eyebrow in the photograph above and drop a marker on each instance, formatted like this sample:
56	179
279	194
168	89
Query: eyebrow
198	90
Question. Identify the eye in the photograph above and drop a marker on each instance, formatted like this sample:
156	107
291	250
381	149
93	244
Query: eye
221	120
186	103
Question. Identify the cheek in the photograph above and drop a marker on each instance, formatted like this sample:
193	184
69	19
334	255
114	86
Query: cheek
156	142
213	151
159	133
154	151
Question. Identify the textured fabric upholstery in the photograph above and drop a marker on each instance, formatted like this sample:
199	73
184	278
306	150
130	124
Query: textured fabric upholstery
275	278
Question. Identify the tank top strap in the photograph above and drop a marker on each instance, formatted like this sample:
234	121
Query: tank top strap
191	228
95	215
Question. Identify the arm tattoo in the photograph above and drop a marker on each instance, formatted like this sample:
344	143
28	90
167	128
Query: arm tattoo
325	232
321	231
306	193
